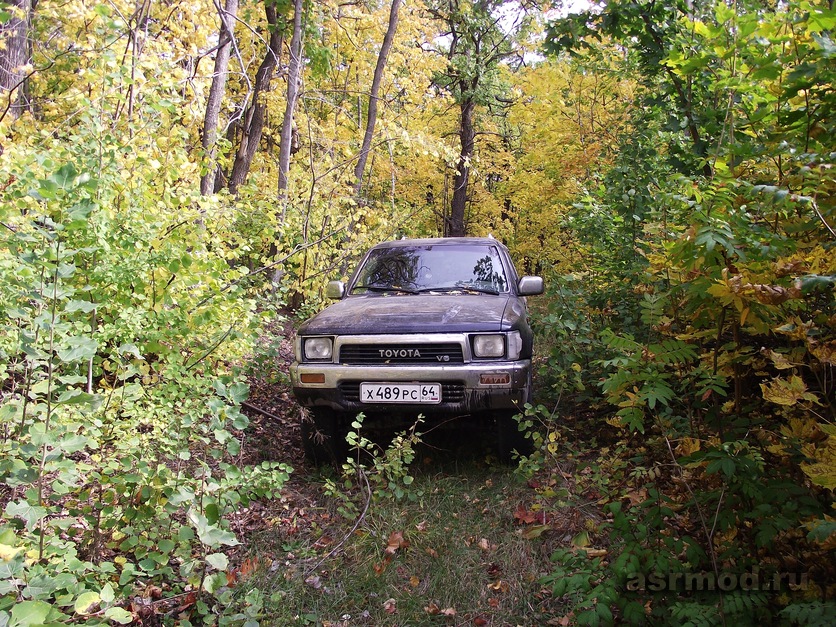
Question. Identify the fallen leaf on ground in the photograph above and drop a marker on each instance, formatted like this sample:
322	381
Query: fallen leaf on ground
485	545
530	533
396	541
523	516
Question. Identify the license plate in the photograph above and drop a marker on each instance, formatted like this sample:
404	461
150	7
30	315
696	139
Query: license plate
400	393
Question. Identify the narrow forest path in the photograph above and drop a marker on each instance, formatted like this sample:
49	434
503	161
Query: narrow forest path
467	542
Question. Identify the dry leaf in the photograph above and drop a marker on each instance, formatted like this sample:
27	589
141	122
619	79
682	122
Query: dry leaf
432	609
396	541
637	497
379	568
390	606
523	516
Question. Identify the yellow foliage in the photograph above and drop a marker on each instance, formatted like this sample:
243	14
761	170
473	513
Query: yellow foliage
688	446
787	391
822	470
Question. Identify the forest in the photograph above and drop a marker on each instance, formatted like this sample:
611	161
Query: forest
178	181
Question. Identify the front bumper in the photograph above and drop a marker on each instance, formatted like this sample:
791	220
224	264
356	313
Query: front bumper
466	388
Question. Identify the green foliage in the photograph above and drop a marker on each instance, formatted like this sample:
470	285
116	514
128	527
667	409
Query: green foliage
379	472
577	577
649	378
120	421
717	248
819	614
564	332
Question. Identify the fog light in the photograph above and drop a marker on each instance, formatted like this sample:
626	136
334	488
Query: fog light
312	377
495	379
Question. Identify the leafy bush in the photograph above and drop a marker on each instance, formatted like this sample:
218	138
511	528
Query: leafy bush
120	426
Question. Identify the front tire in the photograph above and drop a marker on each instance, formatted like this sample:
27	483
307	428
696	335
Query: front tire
510	438
323	439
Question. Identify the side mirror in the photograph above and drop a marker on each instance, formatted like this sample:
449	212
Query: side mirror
335	290
530	286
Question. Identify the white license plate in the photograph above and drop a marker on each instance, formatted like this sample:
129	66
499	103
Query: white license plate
400	393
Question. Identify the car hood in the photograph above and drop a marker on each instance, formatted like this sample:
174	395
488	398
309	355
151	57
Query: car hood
416	313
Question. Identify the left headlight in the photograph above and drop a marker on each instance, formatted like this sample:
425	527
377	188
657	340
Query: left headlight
488	346
318	348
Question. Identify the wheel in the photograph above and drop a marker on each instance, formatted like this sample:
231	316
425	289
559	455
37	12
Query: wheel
510	438
323	439
508	429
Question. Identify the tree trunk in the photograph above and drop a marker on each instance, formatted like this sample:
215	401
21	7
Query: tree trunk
457	226
14	56
253	123
371	117
294	77
216	94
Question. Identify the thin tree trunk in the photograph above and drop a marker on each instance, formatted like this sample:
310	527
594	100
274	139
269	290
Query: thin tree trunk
294	75
216	94
371	117
253	123
467	135
14	56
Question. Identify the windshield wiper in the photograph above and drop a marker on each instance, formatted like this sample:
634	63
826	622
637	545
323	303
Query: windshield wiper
384	288
461	288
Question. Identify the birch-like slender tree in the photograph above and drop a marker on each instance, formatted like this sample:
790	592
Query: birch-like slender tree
15	55
252	125
476	41
294	80
216	93
374	96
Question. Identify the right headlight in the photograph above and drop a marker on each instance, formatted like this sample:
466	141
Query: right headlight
487	346
318	348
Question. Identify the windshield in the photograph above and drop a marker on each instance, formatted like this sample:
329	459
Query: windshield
432	268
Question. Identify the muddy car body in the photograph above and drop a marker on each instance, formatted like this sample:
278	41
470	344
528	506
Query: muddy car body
428	326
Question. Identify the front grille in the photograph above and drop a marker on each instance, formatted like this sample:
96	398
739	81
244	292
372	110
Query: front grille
446	353
450	392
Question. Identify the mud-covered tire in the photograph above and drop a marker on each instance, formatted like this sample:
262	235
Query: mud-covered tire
510	438
323	437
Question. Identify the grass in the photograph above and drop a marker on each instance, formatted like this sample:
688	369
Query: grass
449	553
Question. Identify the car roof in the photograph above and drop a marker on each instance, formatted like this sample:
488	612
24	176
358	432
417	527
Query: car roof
439	241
